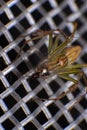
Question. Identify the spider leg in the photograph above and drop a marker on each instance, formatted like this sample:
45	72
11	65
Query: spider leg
71	89
79	98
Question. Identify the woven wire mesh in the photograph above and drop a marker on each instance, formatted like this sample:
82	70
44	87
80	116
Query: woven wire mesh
20	104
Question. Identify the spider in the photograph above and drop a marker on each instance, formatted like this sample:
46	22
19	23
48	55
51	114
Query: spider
60	59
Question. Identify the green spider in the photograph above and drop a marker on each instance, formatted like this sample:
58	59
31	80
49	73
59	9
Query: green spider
60	59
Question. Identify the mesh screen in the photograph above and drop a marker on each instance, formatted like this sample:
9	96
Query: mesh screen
20	104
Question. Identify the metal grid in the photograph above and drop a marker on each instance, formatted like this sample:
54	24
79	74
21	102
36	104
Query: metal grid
20	108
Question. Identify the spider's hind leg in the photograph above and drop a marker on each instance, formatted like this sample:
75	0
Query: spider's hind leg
83	92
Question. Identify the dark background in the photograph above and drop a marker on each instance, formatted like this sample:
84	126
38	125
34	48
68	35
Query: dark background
20	107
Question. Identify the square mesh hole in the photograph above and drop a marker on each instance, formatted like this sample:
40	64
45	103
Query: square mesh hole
64	100
45	25
36	15
84	35
51	128
34	59
59	2
67	10
85	14
8	124
32	105
44	50
41	118
54	86
80	23
23	46
82	80
12	54
2	64
26	3
42	94
79	3
66	31
22	67
47	6
53	109
57	19
62	121
84	57
83	102
19	114
4	19
15	10
75	113
1	112
33	83
30	126
14	32
2	87
76	92
83	125
11	77
20	90
25	23
6	0
9	101
3	41
77	43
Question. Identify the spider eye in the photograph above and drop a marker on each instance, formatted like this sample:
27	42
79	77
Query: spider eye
45	72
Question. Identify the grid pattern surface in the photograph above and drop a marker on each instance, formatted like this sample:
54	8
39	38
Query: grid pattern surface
20	104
